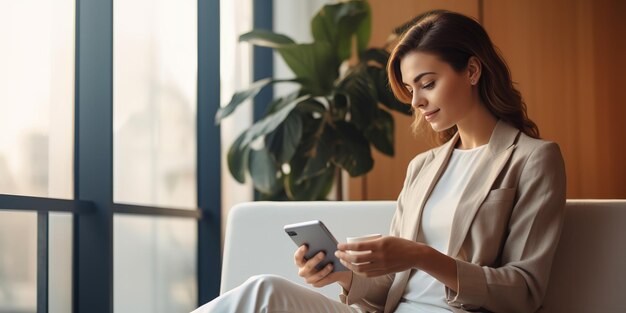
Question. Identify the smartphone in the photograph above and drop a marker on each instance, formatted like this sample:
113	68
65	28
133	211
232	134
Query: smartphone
318	238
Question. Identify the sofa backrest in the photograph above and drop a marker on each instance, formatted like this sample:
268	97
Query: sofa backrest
589	269
588	273
256	243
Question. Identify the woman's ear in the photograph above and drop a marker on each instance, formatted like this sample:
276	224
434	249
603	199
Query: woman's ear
474	68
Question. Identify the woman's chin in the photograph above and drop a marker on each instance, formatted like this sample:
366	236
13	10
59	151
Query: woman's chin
438	127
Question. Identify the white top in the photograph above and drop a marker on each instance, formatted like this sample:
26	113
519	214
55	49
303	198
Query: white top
423	292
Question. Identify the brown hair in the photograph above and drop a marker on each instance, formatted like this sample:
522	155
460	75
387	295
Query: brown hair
455	38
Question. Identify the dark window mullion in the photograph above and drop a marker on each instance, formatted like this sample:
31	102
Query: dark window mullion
40	204
209	189
93	160
262	60
262	57
155	211
42	261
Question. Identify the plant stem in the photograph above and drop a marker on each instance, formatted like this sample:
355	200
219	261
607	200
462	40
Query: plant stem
338	184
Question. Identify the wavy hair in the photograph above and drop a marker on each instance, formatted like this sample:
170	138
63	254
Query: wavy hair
454	38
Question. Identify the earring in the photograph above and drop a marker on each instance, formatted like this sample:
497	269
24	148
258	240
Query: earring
473	82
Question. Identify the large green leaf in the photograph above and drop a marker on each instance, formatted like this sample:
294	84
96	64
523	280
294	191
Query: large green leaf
284	140
279	103
272	121
352	151
384	93
318	156
360	91
314	65
340	107
238	154
312	106
315	188
237	158
310	159
265	38
241	96
311	127
351	17
338	23
323	25
380	132
364	29
264	171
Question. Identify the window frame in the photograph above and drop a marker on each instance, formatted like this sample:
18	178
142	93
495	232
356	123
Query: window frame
93	207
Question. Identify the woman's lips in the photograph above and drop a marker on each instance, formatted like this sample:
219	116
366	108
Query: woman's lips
430	115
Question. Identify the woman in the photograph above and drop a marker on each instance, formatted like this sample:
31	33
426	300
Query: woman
479	217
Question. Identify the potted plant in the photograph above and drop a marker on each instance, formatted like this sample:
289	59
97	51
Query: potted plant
340	109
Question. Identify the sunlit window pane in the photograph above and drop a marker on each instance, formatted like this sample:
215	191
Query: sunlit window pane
36	97
18	262
154	264
235	75
60	232
154	79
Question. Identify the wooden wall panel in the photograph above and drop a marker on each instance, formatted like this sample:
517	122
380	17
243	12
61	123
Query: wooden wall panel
567	58
386	179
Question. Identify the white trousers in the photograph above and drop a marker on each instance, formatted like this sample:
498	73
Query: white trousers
271	293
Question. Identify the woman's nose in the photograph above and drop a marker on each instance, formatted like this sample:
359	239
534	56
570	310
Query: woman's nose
417	102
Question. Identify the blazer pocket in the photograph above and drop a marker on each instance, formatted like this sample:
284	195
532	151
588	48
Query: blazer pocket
490	224
502	194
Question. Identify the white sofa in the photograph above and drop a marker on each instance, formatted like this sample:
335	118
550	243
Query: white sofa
589	271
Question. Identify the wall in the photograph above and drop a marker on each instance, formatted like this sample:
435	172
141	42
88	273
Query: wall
567	60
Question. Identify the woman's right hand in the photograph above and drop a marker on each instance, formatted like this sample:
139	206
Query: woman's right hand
323	277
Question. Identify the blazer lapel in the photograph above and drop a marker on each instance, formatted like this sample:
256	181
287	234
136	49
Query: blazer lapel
499	149
426	181
411	220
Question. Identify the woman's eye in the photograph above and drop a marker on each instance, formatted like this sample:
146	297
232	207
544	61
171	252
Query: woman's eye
409	90
429	85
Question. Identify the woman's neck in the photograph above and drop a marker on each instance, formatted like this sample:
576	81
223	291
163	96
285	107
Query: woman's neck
476	128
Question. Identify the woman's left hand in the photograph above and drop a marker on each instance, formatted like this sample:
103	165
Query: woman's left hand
388	255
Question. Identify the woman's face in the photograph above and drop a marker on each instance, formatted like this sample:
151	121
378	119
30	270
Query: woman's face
442	95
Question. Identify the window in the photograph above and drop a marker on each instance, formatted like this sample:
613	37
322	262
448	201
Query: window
235	74
60	238
154	133
154	102
36	148
37	97
18	262
101	161
154	264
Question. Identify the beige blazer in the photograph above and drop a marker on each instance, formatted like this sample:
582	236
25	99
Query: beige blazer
504	232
